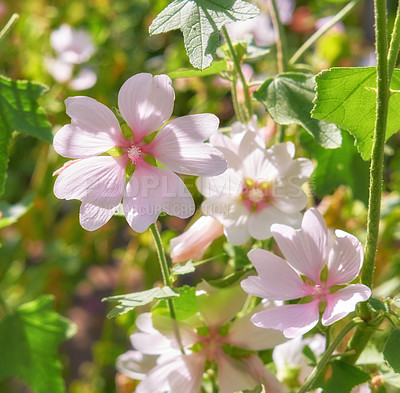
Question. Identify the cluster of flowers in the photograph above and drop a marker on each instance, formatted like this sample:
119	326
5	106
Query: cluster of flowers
250	192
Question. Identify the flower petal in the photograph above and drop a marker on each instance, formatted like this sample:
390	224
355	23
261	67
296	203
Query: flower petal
244	334
345	259
277	280
92	216
306	250
152	190
181	374
227	185
93	130
146	103
135	364
180	146
292	319
343	302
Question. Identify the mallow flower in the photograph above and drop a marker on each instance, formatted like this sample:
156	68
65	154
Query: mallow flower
99	179
319	266
260	187
165	366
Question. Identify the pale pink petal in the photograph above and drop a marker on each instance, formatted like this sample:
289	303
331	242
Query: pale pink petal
306	250
135	364
146	103
263	375
218	306
244	334
93	130
260	222
227	185
181	374
152	190
343	302
180	146
276	281
194	242
345	259
236	224
92	216
95	180
151	344
233	375
292	319
228	148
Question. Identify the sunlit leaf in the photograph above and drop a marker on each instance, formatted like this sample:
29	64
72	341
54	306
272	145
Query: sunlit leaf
130	301
214	69
187	268
29	340
347	97
20	111
288	99
392	350
9	214
200	22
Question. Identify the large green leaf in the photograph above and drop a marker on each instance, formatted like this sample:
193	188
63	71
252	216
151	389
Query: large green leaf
346	97
288	98
29	341
200	22
392	350
20	111
9	214
335	167
132	300
341	378
216	68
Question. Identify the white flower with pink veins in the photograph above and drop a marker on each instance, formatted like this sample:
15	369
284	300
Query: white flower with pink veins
260	187
99	180
319	266
162	367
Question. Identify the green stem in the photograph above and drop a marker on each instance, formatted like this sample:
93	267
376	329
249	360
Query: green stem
394	44
327	355
238	71
281	44
311	41
165	275
9	25
376	170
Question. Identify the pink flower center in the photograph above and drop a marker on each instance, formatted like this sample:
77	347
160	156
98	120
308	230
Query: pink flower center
318	291
134	152
212	344
256	196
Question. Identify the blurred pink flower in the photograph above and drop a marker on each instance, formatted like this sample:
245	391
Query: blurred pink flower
261	187
99	181
162	368
193	243
313	253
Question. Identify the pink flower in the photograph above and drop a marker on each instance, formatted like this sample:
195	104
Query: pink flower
160	365
193	243
261	187
99	180
324	261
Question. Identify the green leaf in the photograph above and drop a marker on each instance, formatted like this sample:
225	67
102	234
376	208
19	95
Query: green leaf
288	99
200	22
341	378
216	68
185	305
19	111
130	301
346	97
9	214
29	341
335	167
187	268
396	301
392	350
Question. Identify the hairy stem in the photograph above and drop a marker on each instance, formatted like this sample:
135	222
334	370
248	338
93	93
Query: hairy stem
281	44
238	71
311	41
394	44
327	355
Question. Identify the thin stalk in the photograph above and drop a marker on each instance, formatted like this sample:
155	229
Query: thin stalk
281	44
394	44
311	41
166	276
376	169
327	356
9	25
238	71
